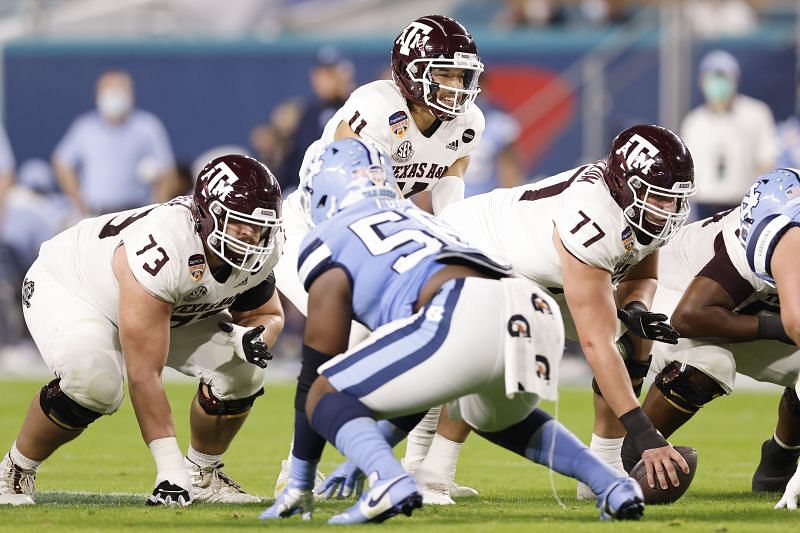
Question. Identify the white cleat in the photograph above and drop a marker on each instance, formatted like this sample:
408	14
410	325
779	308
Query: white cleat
283	479
435	494
211	485
585	493
17	486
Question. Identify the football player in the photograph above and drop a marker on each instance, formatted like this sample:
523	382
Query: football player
728	282
591	235
426	119
436	306
186	284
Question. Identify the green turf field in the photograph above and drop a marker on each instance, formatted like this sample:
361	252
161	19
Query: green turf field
98	482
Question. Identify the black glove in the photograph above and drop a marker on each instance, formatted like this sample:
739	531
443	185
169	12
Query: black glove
647	325
247	343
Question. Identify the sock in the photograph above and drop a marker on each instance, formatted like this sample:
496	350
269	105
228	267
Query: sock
442	458
202	459
420	438
307	444
361	441
391	433
570	456
21	461
302	474
783	445
608	449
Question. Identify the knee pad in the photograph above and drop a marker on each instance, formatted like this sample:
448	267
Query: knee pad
636	370
312	360
228	408
686	388
63	410
791	401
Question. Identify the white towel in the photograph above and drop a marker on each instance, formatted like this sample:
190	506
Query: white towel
534	342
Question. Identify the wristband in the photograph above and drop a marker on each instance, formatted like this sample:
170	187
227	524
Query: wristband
641	430
770	327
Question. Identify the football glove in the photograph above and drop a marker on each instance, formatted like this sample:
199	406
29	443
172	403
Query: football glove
342	483
647	325
171	494
789	499
247	343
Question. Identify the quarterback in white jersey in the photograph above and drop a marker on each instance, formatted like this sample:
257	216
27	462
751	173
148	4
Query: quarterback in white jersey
186	284
425	118
591	235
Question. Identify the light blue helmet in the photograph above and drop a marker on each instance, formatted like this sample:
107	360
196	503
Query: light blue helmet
347	170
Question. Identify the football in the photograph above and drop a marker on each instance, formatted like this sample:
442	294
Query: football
659	496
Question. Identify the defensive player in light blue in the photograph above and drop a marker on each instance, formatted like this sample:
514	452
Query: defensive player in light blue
449	325
770	233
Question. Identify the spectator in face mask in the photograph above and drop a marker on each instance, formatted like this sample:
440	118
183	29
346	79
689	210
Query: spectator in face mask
116	157
731	137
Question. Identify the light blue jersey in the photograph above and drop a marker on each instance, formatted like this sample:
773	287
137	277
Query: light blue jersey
769	209
389	249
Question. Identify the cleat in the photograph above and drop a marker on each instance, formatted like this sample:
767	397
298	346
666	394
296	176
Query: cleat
283	479
384	499
211	485
622	500
776	468
436	494
17	486
290	502
462	491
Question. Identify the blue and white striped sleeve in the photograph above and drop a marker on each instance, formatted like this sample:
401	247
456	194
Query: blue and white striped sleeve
314	259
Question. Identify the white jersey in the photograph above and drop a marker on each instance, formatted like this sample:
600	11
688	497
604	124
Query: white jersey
379	113
165	255
517	225
711	248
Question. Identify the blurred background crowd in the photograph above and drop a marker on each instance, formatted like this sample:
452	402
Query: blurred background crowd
108	105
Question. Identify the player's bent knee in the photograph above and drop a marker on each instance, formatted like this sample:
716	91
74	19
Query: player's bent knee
687	388
214	406
63	410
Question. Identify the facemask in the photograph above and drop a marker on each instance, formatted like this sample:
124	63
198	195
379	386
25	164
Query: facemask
718	88
113	103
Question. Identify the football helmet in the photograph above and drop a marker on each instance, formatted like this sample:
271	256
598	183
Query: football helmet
233	195
346	171
650	175
436	42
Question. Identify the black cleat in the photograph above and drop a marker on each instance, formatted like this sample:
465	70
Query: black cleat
777	466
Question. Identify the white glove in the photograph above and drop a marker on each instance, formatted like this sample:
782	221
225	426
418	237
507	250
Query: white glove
173	485
789	499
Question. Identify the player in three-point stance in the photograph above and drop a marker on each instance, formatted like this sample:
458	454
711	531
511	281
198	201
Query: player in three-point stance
186	284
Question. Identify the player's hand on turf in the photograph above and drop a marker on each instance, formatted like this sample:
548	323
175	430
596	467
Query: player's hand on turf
789	499
172	490
647	325
343	482
247	343
658	462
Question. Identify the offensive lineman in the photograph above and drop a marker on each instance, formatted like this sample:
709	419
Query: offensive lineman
435	305
426	119
736	308
185	284
591	235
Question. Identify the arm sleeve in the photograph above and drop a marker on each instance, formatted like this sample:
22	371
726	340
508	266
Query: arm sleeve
314	259
448	190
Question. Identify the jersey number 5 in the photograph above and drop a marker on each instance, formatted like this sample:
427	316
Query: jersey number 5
367	229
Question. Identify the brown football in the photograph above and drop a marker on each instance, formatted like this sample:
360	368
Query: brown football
659	496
